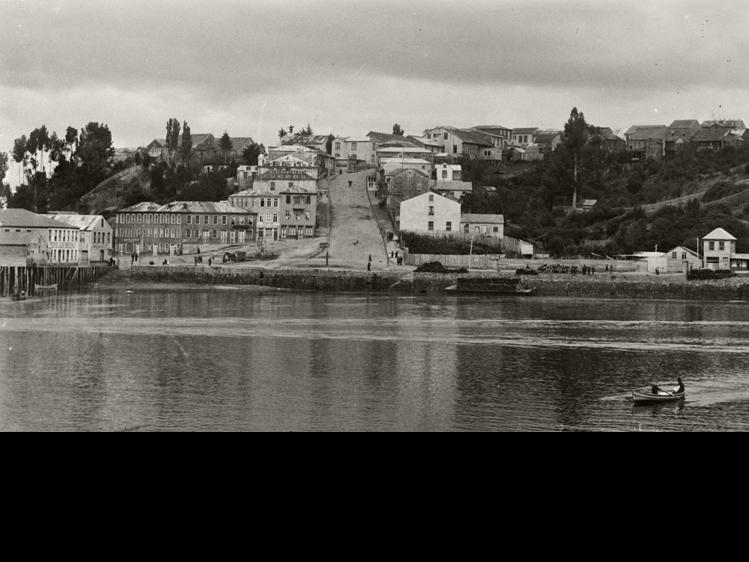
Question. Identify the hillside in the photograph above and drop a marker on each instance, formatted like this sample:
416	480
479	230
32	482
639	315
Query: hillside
640	206
124	188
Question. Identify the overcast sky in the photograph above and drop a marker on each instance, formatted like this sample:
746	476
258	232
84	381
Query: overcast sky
350	66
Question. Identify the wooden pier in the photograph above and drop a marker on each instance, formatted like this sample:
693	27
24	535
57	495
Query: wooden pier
17	280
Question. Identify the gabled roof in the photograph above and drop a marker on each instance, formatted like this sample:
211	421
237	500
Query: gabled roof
726	123
382	138
482	219
81	222
473	137
144	207
715	133
202	207
546	137
20	218
492	129
647	132
719	234
685	124
683	249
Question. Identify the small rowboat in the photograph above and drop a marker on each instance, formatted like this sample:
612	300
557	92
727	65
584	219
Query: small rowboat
646	396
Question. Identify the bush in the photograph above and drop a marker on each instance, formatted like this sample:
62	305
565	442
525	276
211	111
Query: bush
709	274
721	190
437	267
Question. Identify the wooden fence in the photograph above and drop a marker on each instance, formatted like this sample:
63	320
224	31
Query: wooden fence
17	280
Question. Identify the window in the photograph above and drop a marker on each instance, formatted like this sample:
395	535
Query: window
288	199
288	215
272	186
291	184
205	219
431	226
444	174
223	219
496	230
309	200
455	149
275	217
445	136
215	219
353	146
189	219
449	226
712	246
684	256
431	198
431	211
275	202
722	246
673	255
338	146
467	229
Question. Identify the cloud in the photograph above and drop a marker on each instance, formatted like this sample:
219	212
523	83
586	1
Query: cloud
351	66
228	48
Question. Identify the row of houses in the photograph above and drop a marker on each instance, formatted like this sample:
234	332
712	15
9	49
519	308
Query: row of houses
658	142
55	239
718	253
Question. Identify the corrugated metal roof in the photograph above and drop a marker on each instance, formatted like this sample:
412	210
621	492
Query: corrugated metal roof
81	222
647	132
20	218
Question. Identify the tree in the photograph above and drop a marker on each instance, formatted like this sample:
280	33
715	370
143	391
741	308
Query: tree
308	130
282	133
251	154
398	131
226	145
329	144
186	146
5	193
576	135
172	138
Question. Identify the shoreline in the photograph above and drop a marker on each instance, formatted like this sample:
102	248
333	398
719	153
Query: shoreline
410	283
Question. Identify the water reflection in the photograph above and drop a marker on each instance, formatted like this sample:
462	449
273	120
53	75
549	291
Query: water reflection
235	360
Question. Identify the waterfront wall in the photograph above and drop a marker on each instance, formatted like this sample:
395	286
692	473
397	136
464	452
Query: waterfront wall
495	262
599	286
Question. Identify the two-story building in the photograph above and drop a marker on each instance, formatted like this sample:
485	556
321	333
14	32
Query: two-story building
359	149
465	142
647	142
430	213
181	227
523	137
62	240
719	248
288	212
501	136
96	236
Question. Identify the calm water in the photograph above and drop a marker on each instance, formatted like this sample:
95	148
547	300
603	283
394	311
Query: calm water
226	359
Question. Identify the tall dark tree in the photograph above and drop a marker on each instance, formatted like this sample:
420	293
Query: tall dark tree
186	146
575	138
398	130
251	154
226	145
282	133
4	189
172	138
329	144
